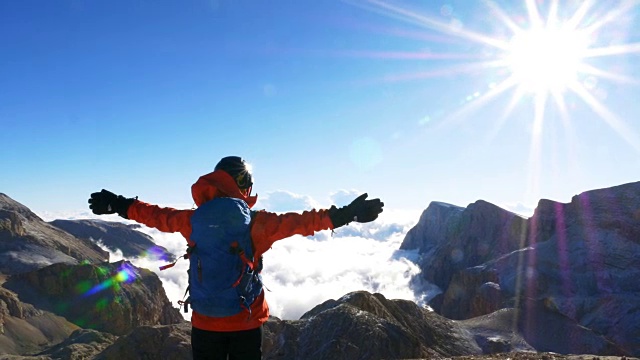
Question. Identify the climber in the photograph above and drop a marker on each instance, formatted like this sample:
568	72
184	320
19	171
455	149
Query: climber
226	241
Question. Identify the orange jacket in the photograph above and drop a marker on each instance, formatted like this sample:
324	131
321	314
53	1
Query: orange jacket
266	228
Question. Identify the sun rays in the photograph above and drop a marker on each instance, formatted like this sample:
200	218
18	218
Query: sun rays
542	52
545	57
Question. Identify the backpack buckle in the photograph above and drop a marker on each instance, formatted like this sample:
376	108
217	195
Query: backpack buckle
185	304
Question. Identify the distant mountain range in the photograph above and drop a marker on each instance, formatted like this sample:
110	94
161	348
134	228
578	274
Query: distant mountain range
562	281
116	236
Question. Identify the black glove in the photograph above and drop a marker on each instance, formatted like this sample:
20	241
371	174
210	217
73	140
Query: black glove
360	210
106	202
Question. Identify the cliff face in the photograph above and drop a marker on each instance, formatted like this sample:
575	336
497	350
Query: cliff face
579	260
451	238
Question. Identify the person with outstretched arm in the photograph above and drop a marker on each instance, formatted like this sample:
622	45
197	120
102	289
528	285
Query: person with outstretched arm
226	241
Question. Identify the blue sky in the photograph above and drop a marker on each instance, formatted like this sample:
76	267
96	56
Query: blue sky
403	100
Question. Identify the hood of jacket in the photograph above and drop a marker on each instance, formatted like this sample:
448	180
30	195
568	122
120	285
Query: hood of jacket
218	184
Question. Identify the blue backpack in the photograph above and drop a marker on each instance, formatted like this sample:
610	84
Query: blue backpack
224	279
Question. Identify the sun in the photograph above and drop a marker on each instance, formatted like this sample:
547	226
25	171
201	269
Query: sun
550	52
546	56
546	59
553	55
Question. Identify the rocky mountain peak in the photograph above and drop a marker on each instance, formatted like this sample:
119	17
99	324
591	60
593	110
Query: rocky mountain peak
435	219
361	325
573	261
28	243
11	206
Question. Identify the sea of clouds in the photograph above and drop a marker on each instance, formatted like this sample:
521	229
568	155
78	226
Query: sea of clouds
302	272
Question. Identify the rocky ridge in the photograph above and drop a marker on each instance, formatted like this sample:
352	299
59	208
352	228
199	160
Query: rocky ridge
574	265
28	243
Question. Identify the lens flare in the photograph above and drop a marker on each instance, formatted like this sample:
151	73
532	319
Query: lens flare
155	253
126	274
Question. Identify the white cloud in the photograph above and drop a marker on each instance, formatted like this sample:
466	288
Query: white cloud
175	279
284	201
304	272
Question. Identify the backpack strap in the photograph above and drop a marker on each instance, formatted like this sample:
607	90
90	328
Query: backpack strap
236	249
185	256
183	303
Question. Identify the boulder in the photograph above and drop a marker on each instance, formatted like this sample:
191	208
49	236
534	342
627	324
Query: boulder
81	344
162	342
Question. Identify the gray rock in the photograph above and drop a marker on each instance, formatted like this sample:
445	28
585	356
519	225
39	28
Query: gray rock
451	238
361	325
168	342
81	344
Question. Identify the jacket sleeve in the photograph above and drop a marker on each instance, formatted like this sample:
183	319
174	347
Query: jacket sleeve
162	218
270	227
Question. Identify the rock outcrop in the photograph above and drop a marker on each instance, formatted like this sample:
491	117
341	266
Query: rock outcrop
361	325
81	344
168	342
579	261
111	297
116	236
